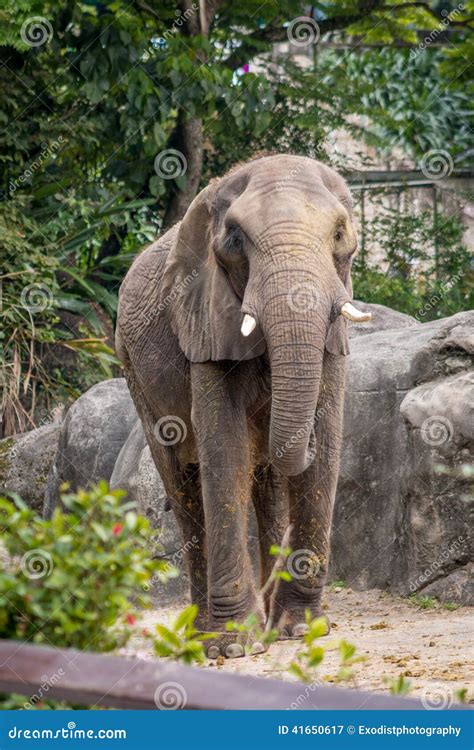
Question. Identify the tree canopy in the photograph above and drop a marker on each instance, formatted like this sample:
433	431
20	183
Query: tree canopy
115	113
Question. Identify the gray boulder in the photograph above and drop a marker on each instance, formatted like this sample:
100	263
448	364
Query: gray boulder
135	472
382	318
25	461
398	523
92	434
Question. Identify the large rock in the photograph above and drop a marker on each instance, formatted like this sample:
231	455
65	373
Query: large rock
25	461
92	434
399	523
382	318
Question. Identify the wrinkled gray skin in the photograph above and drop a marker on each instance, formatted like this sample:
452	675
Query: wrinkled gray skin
254	418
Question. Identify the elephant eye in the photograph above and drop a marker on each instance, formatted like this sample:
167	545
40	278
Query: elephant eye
233	242
338	235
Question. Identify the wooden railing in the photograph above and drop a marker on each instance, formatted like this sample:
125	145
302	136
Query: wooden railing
90	679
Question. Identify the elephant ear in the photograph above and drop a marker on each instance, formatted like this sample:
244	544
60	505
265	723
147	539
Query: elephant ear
203	308
337	337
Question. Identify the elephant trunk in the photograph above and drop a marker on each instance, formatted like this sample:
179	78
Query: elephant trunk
294	322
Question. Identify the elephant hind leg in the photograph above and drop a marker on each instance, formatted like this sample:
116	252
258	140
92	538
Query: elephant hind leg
183	488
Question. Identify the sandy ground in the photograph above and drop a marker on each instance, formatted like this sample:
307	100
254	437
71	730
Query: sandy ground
433	648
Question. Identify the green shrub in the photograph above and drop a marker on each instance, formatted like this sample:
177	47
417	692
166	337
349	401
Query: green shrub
75	580
424	284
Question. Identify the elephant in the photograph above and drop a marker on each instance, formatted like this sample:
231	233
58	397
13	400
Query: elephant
232	332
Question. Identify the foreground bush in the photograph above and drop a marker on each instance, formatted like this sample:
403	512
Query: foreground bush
74	581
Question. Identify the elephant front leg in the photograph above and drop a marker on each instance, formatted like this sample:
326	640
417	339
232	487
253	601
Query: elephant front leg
311	497
220	425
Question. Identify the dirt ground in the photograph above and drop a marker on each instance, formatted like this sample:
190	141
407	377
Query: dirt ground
433	648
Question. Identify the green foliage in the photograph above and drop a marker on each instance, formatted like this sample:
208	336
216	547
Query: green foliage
423	602
400	686
461	695
180	641
424	284
408	101
337	585
310	657
73	581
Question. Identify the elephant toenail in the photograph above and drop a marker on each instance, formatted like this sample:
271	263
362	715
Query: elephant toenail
299	630
234	650
257	648
213	652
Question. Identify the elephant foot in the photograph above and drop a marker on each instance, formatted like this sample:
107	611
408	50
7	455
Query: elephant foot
292	626
232	645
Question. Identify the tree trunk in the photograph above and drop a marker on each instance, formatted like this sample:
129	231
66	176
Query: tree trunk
188	138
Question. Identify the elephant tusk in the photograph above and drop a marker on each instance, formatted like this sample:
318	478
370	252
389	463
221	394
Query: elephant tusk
248	325
352	313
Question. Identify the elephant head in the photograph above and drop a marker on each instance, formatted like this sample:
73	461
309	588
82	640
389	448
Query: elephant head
262	262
